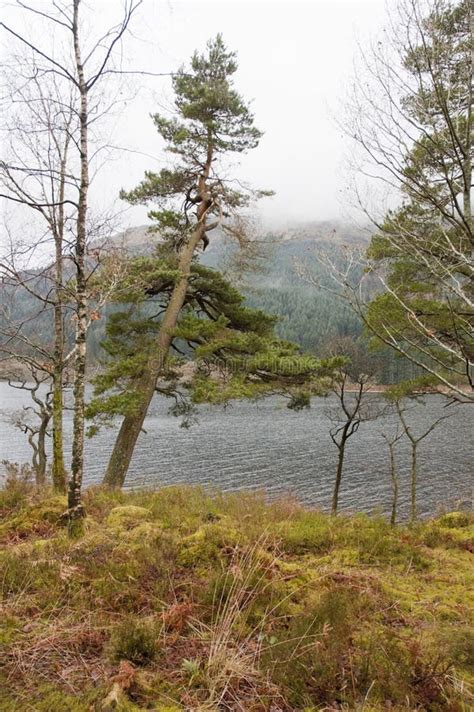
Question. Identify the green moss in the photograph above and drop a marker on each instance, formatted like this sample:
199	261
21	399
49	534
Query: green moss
455	520
206	544
145	534
127	517
36	519
452	530
443	594
309	532
98	501
180	508
122	569
52	698
379	543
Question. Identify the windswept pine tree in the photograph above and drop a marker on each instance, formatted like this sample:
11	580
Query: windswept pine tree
190	198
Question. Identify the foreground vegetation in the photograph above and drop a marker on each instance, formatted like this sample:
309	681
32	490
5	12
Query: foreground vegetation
178	600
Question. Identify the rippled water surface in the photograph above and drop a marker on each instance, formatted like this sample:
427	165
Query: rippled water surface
267	446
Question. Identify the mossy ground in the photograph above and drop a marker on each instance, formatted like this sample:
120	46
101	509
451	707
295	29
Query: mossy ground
178	600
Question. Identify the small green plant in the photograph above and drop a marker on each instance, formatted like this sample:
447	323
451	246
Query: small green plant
192	669
134	640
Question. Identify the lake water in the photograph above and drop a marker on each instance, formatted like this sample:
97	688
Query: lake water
266	446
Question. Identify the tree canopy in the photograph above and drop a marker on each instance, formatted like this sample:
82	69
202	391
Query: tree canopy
233	348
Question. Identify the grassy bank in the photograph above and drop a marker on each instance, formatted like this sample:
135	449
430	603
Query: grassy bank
176	600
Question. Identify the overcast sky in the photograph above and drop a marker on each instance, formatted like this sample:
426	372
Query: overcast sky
295	60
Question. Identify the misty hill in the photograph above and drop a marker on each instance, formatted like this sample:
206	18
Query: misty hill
141	237
307	316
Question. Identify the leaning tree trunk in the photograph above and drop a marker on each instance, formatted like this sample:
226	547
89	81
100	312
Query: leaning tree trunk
77	460
132	424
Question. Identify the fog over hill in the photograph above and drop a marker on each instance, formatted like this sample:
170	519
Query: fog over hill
333	231
308	316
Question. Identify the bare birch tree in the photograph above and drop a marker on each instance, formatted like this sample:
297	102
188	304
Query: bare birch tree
78	66
394	480
401	396
34	174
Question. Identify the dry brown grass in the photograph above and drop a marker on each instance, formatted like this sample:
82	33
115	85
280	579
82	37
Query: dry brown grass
58	651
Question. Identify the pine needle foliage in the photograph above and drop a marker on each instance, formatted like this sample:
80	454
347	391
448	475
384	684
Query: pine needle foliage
232	347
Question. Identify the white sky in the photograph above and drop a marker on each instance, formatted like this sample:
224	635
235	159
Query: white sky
295	60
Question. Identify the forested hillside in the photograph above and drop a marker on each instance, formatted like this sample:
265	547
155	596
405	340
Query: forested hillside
310	317
307	316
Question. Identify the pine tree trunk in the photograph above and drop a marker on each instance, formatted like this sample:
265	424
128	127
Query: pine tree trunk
132	424
77	461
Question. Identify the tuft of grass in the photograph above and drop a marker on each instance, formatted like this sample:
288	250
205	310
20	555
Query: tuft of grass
231	677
